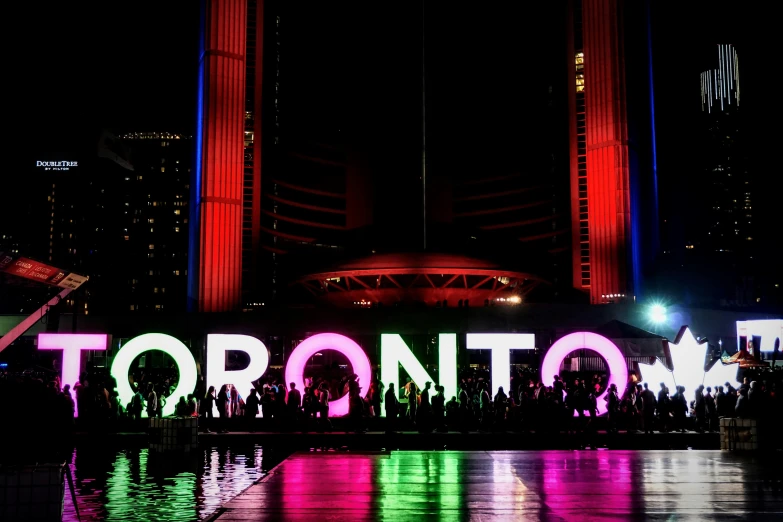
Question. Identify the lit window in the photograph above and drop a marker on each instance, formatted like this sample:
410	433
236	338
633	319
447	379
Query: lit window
127	238
176	212
151	272
132	307
155	290
163	169
176	229
152	247
151	220
176	272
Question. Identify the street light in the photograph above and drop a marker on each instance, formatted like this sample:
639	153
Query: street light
657	313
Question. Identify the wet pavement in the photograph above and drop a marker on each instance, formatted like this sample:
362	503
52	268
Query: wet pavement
137	484
515	485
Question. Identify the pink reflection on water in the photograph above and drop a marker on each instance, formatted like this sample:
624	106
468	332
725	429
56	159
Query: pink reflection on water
326	480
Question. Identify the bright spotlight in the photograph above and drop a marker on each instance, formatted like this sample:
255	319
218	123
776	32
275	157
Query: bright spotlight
657	313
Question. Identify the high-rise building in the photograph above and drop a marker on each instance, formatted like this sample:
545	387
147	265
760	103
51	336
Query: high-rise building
154	222
717	255
274	178
725	185
286	184
612	142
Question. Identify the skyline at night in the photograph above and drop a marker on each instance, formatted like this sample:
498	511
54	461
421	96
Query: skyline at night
487	93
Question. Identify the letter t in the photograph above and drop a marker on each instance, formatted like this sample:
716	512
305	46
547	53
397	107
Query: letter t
72	346
501	346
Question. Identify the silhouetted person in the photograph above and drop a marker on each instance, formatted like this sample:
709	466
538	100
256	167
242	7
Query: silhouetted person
712	410
679	408
723	403
222	407
438	409
424	413
251	410
613	407
152	401
700	408
755	400
206	408
181	409
500	407
664	407
413	401
392	407
741	410
648	408
293	403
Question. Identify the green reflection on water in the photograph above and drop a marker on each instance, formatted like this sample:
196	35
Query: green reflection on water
421	484
151	498
142	485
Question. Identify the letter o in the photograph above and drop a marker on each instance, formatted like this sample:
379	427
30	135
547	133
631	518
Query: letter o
155	341
294	370
618	370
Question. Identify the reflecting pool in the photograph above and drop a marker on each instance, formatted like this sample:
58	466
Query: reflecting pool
136	484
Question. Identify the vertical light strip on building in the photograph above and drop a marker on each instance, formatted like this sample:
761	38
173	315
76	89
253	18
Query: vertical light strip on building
219	158
608	172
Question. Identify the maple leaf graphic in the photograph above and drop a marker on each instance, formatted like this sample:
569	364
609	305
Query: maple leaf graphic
688	356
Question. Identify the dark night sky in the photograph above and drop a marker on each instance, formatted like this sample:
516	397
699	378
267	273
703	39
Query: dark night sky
131	65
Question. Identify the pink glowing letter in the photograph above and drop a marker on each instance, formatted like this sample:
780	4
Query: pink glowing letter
72	346
618	371
294	370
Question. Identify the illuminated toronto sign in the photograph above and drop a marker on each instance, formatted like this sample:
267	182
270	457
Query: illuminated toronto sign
56	165
395	354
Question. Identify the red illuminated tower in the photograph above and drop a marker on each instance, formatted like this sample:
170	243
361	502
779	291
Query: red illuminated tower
611	183
215	257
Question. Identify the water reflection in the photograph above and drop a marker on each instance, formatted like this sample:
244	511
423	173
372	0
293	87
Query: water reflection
143	485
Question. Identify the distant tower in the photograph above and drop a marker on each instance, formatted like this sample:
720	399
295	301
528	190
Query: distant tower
724	186
612	148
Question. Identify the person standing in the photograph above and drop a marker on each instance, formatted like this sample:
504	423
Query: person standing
294	403
648	408
152	401
439	408
613	407
699	408
251	410
392	408
222	407
206	408
323	400
424	413
413	401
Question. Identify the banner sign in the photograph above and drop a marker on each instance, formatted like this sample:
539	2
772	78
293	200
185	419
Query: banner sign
40	272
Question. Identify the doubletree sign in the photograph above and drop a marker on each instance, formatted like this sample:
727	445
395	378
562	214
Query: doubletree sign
56	165
395	353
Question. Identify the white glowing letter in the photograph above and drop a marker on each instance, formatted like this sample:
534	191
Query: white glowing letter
217	375
165	343
394	352
72	346
769	330
501	346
